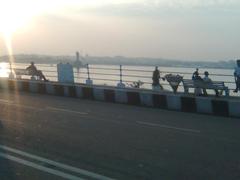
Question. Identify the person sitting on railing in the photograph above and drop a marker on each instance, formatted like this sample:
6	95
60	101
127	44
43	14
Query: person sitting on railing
156	79
237	76
32	69
207	80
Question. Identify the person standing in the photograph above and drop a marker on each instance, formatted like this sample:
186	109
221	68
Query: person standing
156	78
237	76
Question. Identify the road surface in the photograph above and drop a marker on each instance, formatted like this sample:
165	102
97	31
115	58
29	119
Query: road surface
49	137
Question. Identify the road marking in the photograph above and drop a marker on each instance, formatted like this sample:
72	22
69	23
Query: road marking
27	107
5	101
11	103
66	110
54	163
39	167
168	127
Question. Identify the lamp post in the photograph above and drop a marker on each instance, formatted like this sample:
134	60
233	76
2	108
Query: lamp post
11	74
88	81
120	84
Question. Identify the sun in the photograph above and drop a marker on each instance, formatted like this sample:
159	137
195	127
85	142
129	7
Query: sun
16	14
13	15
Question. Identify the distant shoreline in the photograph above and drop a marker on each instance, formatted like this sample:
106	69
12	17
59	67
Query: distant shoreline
117	60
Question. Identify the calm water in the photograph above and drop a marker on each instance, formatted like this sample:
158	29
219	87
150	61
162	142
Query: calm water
109	74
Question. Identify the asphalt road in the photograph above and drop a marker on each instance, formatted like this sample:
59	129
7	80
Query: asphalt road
48	137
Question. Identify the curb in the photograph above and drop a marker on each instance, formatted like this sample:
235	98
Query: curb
161	100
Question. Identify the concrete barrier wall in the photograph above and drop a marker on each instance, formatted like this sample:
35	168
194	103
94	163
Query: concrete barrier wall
162	100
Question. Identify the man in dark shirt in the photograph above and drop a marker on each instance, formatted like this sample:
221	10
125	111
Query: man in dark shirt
195	75
156	78
237	76
32	69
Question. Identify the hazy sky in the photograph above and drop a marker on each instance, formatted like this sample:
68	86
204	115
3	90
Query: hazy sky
177	29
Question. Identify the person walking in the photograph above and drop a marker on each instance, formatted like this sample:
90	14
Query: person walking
156	79
237	76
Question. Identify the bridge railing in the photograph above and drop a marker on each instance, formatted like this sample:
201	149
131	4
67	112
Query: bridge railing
112	75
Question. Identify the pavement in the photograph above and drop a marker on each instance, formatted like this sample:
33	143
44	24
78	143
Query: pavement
50	137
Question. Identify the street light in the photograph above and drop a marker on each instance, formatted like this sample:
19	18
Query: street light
11	74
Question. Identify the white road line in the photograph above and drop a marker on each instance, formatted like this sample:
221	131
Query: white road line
168	127
39	167
54	163
19	105
5	101
27	107
66	110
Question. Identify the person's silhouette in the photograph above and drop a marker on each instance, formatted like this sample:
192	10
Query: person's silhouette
32	69
156	78
237	76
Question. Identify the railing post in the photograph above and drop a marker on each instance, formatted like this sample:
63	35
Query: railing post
88	71
120	73
120	84
11	74
88	81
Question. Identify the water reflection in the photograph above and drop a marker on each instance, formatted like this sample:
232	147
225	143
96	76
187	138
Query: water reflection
4	69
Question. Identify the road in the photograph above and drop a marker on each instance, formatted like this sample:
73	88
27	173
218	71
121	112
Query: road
49	137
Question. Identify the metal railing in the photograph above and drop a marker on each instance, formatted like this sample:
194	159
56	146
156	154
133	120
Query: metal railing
112	75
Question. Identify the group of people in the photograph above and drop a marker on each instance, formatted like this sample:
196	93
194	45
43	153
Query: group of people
156	78
198	79
206	79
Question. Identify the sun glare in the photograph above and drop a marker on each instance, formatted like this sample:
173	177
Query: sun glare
17	14
4	69
13	15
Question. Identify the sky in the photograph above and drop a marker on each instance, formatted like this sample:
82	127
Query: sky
173	29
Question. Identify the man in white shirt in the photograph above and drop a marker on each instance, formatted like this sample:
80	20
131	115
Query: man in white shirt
207	80
237	76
